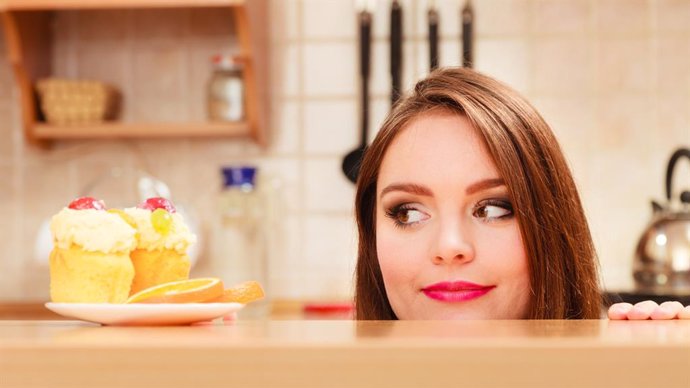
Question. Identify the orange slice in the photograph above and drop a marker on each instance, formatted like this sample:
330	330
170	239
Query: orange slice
242	293
181	291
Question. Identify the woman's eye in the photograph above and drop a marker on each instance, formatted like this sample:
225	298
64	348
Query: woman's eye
404	215
491	210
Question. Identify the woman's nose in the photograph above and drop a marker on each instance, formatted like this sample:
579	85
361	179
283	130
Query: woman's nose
453	243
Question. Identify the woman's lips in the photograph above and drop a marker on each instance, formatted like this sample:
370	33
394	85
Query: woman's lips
456	291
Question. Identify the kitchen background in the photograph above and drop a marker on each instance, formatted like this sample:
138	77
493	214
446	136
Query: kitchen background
612	77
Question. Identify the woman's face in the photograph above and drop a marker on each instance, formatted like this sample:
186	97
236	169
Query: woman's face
448	243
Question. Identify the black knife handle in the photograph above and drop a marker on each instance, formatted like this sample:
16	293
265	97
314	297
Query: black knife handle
364	124
467	34
396	50
365	54
364	42
433	39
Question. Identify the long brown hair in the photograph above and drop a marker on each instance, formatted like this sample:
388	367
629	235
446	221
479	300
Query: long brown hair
561	256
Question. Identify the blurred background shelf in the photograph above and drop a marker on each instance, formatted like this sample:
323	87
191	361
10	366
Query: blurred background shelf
29	31
25	5
109	130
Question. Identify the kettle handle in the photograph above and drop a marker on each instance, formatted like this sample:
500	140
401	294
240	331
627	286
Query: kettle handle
671	164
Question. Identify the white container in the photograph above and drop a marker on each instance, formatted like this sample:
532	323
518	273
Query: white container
240	239
226	90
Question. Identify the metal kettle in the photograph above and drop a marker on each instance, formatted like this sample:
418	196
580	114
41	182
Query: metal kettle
662	257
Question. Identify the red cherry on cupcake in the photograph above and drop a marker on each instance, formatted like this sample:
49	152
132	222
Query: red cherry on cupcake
158	203
85	203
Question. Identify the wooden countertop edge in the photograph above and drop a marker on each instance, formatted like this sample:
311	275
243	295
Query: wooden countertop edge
349	353
361	366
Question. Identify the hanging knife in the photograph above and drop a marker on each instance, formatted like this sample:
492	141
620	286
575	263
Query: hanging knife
467	34
396	50
366	16
433	19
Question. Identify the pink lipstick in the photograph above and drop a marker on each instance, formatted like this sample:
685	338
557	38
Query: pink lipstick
456	291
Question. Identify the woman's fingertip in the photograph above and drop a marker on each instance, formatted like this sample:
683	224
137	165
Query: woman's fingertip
619	311
639	313
663	313
684	313
672	304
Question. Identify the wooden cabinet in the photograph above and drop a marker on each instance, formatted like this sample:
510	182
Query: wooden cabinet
29	40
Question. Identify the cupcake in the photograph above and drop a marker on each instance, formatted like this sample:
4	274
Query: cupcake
90	261
162	242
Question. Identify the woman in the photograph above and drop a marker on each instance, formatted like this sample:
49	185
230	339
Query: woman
466	209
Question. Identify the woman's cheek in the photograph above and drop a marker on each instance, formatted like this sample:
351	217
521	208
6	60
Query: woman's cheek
394	257
386	250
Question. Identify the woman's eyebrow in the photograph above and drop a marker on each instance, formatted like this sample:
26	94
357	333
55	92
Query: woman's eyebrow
484	184
411	188
417	189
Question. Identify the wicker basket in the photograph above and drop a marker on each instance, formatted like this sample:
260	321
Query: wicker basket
73	102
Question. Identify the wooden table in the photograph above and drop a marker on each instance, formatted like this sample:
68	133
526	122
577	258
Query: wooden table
348	354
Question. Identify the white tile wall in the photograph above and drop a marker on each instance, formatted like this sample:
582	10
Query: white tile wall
286	136
673	121
288	77
330	243
673	65
612	78
328	19
623	17
548	17
623	123
506	59
287	265
284	176
326	187
502	17
379	110
672	15
551	56
571	119
330	69
621	68
331	126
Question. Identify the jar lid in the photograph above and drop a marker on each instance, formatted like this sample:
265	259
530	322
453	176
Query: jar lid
239	176
225	62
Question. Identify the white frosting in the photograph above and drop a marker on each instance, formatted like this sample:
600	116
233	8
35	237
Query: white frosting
179	238
92	230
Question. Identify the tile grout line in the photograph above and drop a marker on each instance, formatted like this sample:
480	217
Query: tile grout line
301	220
654	48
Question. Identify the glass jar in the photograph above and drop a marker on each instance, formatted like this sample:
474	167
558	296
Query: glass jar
226	90
240	240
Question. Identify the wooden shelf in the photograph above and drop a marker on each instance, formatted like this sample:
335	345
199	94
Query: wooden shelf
29	41
140	130
55	5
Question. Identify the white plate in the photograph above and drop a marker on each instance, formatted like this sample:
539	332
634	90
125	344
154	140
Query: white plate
144	313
